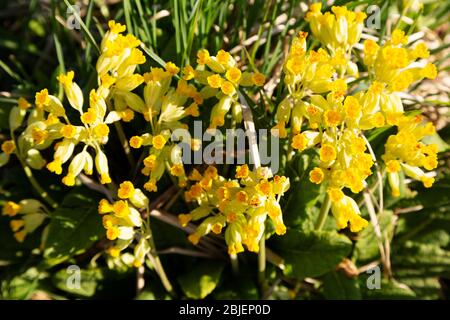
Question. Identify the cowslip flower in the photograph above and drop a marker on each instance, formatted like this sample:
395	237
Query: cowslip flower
123	223
346	211
239	206
339	29
405	152
116	68
27	216
394	67
221	78
164	108
93	133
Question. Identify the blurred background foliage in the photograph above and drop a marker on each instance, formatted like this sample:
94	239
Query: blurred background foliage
36	45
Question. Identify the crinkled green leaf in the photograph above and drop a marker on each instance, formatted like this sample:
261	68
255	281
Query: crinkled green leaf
311	253
201	280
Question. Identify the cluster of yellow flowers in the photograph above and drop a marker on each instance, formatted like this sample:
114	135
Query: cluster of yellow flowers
335	124
240	205
32	215
122	221
164	109
221	78
404	152
317	113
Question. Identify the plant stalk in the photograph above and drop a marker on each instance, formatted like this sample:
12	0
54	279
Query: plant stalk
326	205
156	261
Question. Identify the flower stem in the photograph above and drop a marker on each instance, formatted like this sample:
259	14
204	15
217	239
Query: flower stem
44	195
323	213
156	261
254	153
262	264
234	264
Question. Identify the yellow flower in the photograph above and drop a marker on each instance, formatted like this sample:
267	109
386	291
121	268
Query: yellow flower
335	194
89	117
192	110
338	86
8	146
150	186
227	88
121	209
150	162
158	141
172	68
194	238
20	236
23	103
112	233
16	225
223	57
393	166
11	208
127	115
136	142
429	71
68	131
394	57
42	98
105	207
258	79
242	172
126	190
55	166
279	130
327	152
188	73
299	142
203	56
233	74
101	130
105	178
352	107
398	37
39	135
316	175
184	219
114	252
177	170
116	27
215	81
332	118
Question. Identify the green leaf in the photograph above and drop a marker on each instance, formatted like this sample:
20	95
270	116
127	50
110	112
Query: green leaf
201	280
366	247
77	281
424	287
21	287
388	290
74	227
312	253
420	258
300	211
230	289
337	286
